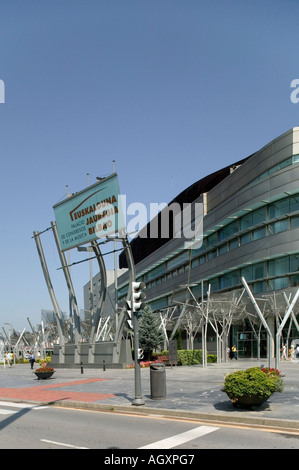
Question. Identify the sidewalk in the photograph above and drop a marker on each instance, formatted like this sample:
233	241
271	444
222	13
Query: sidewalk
192	392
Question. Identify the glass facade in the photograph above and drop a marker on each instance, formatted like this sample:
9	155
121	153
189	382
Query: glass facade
251	230
273	274
247	236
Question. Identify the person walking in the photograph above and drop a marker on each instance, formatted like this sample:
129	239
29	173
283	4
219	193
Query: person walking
31	359
234	352
9	358
228	352
284	352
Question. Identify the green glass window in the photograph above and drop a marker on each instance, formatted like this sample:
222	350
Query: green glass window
259	270
279	208
229	230
233	244
294	263
223	249
295	221
214	284
156	272
229	279
247	273
180	259
254	271
279	266
160	303
212	239
253	218
259	287
294	203
246	238
278	283
246	221
212	254
259	233
280	226
259	215
202	259
286	162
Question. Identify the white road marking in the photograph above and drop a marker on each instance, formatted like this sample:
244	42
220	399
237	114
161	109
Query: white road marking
179	439
7	412
16	405
12	404
62	444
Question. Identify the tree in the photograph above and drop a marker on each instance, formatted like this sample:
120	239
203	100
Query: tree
150	337
178	337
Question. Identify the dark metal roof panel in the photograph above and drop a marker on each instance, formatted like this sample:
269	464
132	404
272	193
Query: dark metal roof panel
143	247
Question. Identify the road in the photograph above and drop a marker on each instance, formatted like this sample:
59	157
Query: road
24	426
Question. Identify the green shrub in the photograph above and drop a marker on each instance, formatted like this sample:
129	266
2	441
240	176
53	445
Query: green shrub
187	357
252	381
212	358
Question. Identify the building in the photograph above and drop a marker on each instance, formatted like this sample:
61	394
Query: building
92	295
250	230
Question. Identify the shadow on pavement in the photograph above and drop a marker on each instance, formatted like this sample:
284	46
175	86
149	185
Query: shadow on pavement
13	417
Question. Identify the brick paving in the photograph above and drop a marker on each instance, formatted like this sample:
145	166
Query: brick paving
46	393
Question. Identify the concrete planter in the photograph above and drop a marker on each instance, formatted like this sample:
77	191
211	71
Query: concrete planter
246	401
44	375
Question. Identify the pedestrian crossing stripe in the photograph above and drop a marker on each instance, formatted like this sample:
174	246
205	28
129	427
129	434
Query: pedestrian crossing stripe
12	404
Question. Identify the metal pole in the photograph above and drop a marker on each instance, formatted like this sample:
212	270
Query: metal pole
260	316
100	306
285	318
50	288
115	274
67	275
138	391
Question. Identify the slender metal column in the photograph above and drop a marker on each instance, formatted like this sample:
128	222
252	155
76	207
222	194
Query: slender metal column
260	316
57	311
67	275
99	309
285	318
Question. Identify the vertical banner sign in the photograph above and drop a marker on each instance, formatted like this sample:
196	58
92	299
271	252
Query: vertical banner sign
90	214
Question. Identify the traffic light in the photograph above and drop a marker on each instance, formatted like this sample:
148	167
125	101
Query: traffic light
140	353
137	303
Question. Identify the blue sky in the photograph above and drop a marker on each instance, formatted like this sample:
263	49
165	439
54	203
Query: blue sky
172	90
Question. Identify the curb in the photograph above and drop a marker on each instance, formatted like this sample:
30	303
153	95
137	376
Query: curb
272	424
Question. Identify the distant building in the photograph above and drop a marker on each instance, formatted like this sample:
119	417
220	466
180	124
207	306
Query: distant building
92	294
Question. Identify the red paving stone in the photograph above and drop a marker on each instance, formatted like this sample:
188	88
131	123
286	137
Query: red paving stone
42	392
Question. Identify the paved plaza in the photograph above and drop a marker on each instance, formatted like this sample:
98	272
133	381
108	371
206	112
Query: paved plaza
192	392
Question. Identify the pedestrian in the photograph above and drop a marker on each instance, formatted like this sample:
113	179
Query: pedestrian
234	352
9	358
31	359
228	353
284	352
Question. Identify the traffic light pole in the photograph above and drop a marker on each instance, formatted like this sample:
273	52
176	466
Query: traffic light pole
138	391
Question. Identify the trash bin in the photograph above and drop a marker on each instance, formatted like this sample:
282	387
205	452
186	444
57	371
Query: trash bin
158	381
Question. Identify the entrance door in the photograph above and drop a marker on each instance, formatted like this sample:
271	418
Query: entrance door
245	344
